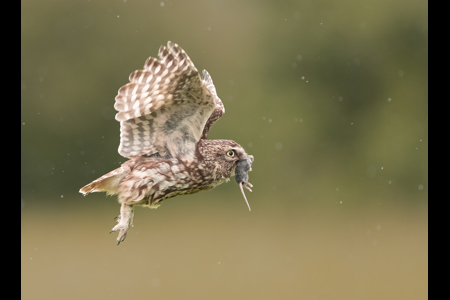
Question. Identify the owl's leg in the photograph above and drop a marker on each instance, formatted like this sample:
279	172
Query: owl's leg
124	221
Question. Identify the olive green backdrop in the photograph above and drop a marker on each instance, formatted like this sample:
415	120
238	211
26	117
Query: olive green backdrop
330	96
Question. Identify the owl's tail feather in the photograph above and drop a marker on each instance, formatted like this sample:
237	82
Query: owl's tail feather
108	183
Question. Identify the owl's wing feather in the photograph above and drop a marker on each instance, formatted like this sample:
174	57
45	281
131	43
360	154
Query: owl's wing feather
219	109
165	107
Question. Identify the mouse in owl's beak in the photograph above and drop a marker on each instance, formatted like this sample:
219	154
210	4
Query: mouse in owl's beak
243	166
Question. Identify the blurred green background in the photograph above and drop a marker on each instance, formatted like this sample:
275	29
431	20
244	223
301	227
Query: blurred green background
331	97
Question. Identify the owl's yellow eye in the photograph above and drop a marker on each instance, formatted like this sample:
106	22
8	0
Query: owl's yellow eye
230	153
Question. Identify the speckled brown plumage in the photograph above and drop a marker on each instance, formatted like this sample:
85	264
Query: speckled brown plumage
165	114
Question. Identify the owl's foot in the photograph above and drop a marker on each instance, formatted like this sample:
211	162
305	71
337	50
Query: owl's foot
124	221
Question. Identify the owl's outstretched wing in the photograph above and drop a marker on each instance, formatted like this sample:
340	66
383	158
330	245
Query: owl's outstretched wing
165	107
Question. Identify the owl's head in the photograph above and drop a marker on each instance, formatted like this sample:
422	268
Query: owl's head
221	155
224	159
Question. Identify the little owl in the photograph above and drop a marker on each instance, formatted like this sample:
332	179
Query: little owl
165	113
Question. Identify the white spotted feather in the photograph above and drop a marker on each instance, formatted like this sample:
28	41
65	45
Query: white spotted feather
164	108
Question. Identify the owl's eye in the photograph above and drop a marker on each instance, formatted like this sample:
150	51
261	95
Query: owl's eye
230	153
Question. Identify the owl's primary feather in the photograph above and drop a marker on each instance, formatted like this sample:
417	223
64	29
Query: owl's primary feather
165	114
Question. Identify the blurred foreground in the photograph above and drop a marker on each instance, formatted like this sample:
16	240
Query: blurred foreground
185	250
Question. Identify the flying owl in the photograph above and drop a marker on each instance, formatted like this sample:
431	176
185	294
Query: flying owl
165	114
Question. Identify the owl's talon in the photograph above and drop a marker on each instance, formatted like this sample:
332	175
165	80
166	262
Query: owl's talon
124	221
123	229
121	237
